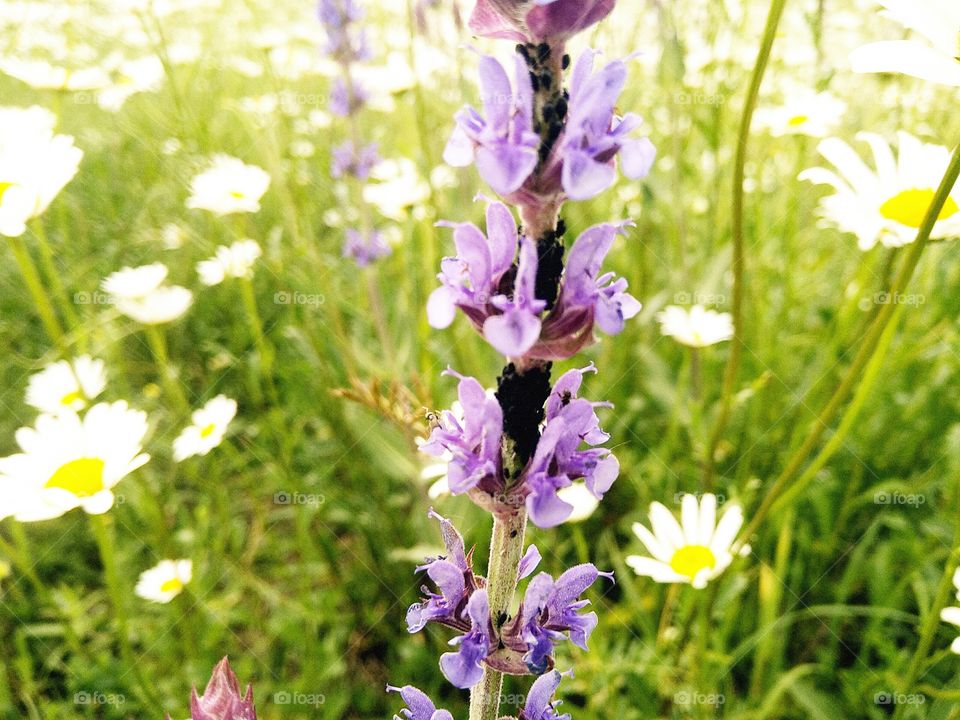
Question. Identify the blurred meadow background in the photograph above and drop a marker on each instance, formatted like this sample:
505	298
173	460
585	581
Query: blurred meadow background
305	524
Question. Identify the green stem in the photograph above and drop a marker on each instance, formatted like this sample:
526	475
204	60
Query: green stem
158	345
506	549
737	239
35	286
259	339
103	533
866	352
53	274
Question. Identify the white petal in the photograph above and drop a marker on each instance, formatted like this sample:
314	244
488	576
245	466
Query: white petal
908	57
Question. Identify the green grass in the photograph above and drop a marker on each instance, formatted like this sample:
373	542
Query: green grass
310	598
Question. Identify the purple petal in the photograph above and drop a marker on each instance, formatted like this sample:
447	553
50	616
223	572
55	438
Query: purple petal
505	167
583	177
636	158
513	333
529	562
540	695
603	476
441	309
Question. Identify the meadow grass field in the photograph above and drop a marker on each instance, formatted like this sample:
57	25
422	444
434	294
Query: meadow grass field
305	523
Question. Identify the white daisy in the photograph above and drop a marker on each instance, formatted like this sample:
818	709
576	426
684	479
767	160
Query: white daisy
209	425
229	261
888	204
68	462
35	165
694	551
934	56
139	293
228	186
804	113
696	327
952	614
66	386
164	581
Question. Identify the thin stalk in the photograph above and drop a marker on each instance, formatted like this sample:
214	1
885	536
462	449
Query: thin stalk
53	274
37	292
158	346
103	533
737	237
259	339
506	549
865	354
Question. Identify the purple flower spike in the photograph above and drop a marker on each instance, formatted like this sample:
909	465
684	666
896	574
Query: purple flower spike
570	421
540	704
595	135
550	613
453	576
357	162
503	144
473	441
221	700
517	329
365	248
464	668
537	20
419	706
587	297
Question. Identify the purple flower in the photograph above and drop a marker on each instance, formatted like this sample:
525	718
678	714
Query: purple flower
537	20
473	441
583	160
540	704
550	612
365	248
419	706
586	298
343	45
347	99
570	421
356	162
453	576
221	700
482	280
503	144
464	668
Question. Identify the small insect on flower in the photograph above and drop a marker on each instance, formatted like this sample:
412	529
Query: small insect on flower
139	293
207	429
935	56
163	582
228	186
886	205
695	550
697	327
230	261
66	385
69	462
35	165
952	614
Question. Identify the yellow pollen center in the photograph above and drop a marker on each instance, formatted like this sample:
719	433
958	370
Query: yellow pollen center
208	430
4	186
798	120
83	477
172	585
691	559
910	206
70	398
236	194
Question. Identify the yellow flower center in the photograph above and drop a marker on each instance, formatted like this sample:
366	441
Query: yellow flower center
910	206
797	120
691	559
208	430
83	477
236	194
71	397
4	186
174	585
